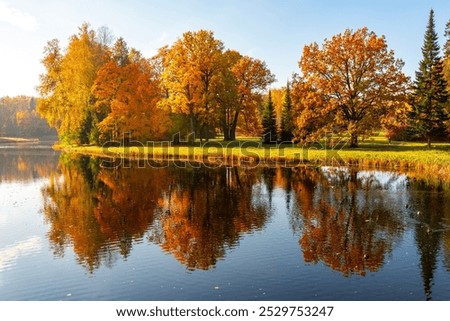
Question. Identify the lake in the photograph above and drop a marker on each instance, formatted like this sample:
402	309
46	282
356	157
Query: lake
73	229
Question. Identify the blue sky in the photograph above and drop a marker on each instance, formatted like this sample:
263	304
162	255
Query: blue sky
274	31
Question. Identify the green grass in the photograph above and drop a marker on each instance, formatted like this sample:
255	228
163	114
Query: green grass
372	153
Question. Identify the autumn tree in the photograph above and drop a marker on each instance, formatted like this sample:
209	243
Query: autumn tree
65	88
357	81
192	70
213	88
286	121
308	104
30	124
19	118
244	81
396	123
278	99
228	95
121	53
94	90
430	99
253	77
126	91
51	105
269	122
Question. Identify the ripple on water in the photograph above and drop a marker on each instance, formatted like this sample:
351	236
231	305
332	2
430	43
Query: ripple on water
10	254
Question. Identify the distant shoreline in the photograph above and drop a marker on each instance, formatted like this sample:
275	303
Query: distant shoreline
18	140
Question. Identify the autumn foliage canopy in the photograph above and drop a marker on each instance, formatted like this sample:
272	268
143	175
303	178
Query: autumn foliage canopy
352	85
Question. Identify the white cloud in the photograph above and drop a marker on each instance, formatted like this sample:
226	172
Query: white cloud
17	18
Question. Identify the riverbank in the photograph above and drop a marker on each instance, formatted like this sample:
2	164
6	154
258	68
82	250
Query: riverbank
415	158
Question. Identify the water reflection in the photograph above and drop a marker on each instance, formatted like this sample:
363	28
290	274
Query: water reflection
26	164
195	214
430	210
349	220
204	212
10	254
99	212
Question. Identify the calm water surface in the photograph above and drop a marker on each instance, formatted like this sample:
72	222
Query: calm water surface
73	230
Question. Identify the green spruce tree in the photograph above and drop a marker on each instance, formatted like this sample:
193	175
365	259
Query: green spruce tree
430	98
269	122
286	125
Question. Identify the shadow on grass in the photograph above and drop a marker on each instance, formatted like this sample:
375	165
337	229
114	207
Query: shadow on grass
374	146
364	146
399	147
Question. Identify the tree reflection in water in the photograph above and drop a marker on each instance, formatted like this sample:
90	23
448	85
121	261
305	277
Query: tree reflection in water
26	164
195	214
100	212
430	210
348	219
206	211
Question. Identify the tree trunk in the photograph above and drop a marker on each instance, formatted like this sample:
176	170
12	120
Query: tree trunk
233	126
354	140
226	133
233	133
207	132
191	136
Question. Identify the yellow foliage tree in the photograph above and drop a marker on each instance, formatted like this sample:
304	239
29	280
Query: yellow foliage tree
277	98
192	70
66	87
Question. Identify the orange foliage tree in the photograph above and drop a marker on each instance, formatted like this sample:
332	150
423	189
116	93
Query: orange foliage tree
93	91
127	92
252	78
212	87
354	80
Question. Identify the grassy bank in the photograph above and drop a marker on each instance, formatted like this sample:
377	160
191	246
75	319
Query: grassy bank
413	158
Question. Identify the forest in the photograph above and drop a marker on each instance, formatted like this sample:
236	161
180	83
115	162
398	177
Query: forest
98	90
19	118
